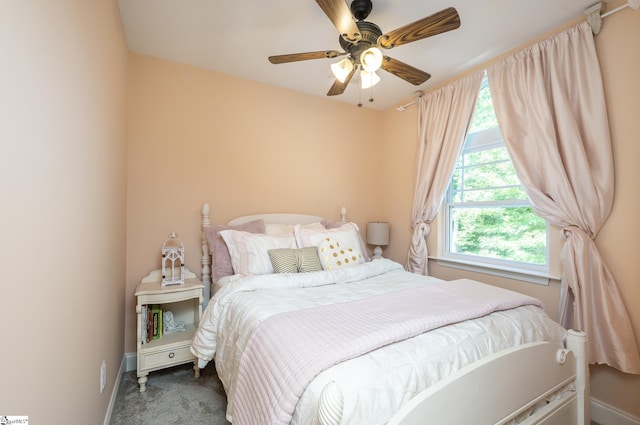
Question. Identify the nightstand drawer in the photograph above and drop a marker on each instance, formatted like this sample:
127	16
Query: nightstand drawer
158	359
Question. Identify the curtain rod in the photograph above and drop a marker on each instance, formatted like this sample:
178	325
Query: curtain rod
594	16
417	95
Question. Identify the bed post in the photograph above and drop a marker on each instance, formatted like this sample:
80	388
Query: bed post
330	405
343	214
206	257
577	342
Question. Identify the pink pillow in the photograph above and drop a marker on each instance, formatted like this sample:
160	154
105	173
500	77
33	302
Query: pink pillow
331	224
221	265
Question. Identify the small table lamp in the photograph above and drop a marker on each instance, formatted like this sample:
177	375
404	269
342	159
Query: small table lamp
378	235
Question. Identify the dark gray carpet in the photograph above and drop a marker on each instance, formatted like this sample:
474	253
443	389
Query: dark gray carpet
173	396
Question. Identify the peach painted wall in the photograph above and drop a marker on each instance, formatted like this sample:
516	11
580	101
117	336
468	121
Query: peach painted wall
617	241
199	136
62	197
397	170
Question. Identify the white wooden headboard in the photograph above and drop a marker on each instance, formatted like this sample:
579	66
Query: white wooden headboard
269	218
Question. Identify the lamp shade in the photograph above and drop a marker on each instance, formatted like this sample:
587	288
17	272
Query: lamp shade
371	59
378	233
369	79
342	69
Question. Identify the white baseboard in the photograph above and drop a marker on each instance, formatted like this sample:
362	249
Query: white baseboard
131	361
605	414
114	393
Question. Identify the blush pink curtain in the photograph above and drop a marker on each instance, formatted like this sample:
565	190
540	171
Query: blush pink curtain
443	119
551	110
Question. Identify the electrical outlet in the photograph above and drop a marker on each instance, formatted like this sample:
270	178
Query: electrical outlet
103	376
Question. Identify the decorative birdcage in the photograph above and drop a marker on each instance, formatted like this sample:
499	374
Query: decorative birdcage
172	261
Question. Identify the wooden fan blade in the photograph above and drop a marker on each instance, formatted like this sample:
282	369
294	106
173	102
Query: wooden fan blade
339	13
338	87
294	57
404	71
443	21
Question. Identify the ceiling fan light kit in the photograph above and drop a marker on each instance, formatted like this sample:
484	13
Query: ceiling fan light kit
371	59
361	41
369	78
342	69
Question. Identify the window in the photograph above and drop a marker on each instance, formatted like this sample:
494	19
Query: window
488	216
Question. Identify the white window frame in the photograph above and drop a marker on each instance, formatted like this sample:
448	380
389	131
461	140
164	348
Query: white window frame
535	273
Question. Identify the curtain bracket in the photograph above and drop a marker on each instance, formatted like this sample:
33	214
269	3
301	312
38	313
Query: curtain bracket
416	95
594	18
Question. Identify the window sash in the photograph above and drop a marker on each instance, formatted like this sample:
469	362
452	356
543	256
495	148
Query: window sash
478	142
496	261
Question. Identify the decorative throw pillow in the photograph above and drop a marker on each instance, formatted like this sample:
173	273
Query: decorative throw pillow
334	255
331	224
302	260
248	251
221	260
347	234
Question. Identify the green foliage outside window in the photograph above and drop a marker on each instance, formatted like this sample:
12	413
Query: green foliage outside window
484	117
514	234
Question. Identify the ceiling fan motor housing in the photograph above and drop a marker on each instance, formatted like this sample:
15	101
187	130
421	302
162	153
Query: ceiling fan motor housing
370	34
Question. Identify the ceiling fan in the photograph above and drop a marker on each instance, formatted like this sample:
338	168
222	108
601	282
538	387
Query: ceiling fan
361	41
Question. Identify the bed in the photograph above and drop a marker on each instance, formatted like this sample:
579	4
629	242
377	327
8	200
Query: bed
305	329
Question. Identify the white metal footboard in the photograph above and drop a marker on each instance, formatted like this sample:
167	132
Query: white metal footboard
534	383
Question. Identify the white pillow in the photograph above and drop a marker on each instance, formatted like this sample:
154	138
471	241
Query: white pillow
249	251
344	238
334	255
311	236
277	229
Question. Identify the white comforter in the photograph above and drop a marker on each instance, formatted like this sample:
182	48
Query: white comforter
372	390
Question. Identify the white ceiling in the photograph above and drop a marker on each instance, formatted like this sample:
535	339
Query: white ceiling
236	37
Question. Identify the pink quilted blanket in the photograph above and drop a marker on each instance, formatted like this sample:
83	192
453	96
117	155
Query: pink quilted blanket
288	350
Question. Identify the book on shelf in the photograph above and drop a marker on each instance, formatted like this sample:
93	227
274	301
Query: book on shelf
156	314
143	325
151	325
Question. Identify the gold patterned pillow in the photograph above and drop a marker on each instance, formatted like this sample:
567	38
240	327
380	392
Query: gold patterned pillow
334	255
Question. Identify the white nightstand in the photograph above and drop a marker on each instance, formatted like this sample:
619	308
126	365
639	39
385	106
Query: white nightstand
185	302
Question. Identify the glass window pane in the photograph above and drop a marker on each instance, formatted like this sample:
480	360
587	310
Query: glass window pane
504	194
456	185
490	175
512	233
487	155
484	117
